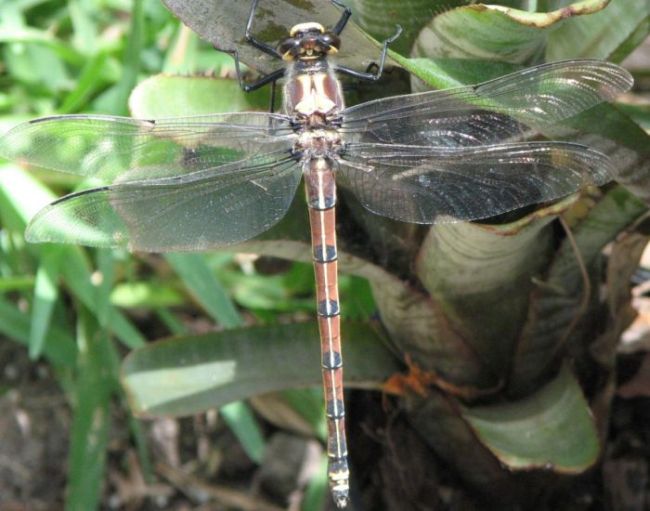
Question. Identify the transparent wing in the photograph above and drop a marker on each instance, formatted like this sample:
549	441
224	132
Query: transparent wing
123	149
211	208
439	185
501	110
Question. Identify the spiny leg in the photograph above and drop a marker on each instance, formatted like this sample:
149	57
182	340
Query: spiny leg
260	82
343	20
260	45
272	77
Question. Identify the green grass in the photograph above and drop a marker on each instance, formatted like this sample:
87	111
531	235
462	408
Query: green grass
86	56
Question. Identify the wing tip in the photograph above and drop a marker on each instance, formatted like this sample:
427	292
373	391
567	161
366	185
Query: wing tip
611	78
617	79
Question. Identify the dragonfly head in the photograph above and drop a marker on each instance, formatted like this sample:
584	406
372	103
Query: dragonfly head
309	41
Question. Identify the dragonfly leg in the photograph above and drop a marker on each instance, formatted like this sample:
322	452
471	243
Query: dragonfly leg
368	75
272	100
260	82
260	45
343	20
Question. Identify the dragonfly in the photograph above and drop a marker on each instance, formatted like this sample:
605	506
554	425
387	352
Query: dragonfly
205	182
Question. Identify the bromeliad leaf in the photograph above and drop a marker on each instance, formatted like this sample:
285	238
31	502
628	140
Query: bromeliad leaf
188	375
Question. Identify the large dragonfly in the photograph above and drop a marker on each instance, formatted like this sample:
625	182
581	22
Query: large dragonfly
206	182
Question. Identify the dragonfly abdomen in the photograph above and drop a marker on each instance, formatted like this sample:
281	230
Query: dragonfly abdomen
320	188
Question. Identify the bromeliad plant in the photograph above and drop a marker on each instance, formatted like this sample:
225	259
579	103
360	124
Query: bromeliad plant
496	342
498	325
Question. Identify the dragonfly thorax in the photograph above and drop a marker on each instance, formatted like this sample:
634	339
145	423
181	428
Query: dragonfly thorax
313	96
319	143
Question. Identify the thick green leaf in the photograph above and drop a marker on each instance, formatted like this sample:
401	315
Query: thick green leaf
611	132
191	374
438	420
559	300
379	17
447	73
639	113
493	32
552	429
465	266
617	29
207	290
180	96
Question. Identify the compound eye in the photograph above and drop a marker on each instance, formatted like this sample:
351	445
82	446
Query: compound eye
330	42
289	48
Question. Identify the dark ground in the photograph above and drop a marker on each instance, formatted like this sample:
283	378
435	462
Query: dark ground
199	465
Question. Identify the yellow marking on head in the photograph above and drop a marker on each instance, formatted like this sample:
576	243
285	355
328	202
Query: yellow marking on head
304	27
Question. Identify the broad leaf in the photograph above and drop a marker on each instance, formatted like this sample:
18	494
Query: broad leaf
552	429
610	34
559	302
191	374
465	266
493	32
411	15
181	96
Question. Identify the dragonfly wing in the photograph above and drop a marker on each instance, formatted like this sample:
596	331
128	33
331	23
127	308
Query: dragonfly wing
121	148
439	185
501	110
212	208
